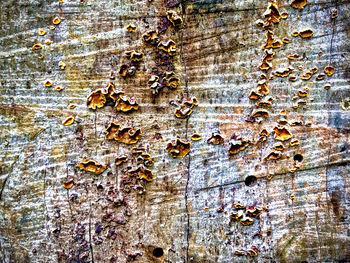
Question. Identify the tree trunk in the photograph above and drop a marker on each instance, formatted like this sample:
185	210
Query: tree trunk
274	195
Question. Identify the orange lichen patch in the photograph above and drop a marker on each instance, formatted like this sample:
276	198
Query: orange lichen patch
254	95
253	251
306	33
271	42
292	78
41	56
294	142
246	221
284	15
304	92
286	40
239	252
134	55
314	70
254	211
68	121
298	103
265	103
283	112
37	46
283	121
295	33
172	82
259	23
264	132
296	123
292	196
72	106
236	215
121	159
169	47
41	32
185	109
128	135
131	28
268	55
277	44
62	65
112	130
278	146
329	70
327	86
126	104
48	42
143	173
111	92
321	77
284	72
309	123
6	143
145	156
260	113
91	166
299	4
272	14
215	138
151	37
68	184
48	83
59	88
174	18
273	155
262	87
196	137
334	13
178	148
282	133
138	150
265	65
235	146
52	27
96	99
306	75
123	70
293	56
238	205
56	21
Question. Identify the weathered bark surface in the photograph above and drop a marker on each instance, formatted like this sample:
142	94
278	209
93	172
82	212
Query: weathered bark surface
185	209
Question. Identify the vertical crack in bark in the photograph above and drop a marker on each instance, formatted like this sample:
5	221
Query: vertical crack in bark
189	154
10	171
91	248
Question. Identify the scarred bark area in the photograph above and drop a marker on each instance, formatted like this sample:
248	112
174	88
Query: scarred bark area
183	214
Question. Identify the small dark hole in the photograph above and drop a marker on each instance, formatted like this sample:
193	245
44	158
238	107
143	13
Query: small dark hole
250	180
158	252
298	157
303	262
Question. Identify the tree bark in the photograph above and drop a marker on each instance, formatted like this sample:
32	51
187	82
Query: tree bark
188	212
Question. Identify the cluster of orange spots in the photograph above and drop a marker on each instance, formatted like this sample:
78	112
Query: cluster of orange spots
168	46
92	166
215	138
196	137
131	28
127	135
174	18
68	121
185	109
244	215
134	55
178	148
237	145
99	97
126	104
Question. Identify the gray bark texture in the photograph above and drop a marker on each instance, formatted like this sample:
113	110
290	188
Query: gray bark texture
293	180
